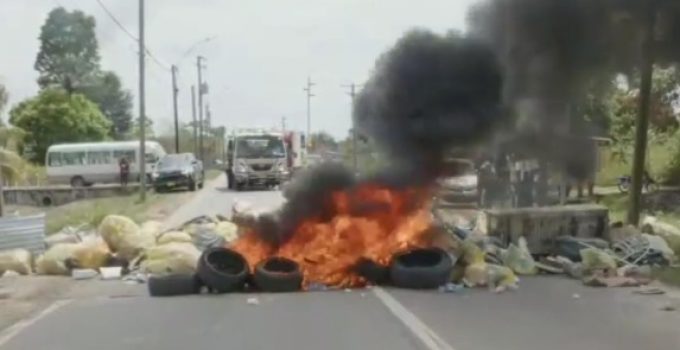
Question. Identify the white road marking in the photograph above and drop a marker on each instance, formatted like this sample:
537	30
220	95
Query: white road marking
429	338
14	330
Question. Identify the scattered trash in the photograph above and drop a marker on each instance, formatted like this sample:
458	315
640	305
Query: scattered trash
363	295
135	277
668	232
518	258
576	296
111	273
253	301
174	236
668	308
171	258
570	247
643	249
550	265
451	288
17	260
206	236
613	281
649	291
151	228
572	269
67	235
596	259
124	237
83	274
58	260
347	290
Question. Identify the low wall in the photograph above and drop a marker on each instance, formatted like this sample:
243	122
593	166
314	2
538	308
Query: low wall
42	196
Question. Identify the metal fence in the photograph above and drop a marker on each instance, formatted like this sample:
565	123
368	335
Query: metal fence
27	232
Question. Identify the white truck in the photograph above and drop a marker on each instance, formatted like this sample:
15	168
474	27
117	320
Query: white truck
256	157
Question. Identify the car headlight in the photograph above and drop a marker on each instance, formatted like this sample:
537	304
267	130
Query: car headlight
187	171
241	167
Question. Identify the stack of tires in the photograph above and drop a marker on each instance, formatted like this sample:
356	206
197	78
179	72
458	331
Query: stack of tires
222	270
423	268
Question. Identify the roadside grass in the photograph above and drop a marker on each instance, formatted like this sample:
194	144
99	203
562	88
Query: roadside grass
659	158
93	211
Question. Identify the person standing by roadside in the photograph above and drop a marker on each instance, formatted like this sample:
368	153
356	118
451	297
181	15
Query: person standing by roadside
124	169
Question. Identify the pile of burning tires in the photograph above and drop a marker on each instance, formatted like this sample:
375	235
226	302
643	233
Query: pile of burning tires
222	270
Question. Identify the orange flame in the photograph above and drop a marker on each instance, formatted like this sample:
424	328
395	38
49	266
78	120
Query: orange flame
368	222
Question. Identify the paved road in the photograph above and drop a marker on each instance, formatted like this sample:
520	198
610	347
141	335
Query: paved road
546	313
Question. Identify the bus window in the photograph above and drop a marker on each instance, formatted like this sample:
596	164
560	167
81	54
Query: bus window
54	159
73	158
129	155
98	157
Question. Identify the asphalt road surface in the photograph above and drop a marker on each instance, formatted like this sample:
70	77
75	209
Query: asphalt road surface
545	313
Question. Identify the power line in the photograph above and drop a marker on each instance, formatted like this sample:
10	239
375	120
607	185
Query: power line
129	34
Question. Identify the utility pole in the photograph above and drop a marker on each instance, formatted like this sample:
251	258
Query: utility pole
193	118
308	90
283	123
201	91
142	106
173	69
352	94
642	123
2	195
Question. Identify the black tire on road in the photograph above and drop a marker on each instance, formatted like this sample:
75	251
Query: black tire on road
173	285
192	185
623	187
222	270
278	275
373	272
421	268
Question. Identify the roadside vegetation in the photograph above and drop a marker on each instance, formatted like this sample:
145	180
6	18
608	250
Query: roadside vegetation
92	211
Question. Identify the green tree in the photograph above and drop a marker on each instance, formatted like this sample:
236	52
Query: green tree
55	116
113	101
4	97
69	53
322	141
69	58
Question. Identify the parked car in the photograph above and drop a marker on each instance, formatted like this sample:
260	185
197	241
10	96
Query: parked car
459	181
178	170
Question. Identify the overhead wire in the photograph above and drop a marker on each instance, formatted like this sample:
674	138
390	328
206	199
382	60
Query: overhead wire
132	36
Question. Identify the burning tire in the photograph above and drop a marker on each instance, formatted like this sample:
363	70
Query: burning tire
278	275
222	270
173	285
421	268
372	271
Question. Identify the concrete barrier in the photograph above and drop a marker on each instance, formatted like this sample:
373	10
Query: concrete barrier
43	196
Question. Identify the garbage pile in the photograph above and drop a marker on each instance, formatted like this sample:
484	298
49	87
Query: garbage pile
120	247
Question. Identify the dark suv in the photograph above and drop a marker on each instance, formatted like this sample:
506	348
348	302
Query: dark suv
178	170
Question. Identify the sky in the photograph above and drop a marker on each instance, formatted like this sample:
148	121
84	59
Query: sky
258	59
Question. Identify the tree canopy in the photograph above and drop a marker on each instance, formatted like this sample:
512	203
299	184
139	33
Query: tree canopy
69	59
56	116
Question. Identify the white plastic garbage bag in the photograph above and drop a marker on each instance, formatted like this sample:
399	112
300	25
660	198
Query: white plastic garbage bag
151	227
595	259
174	236
171	258
518	258
54	261
124	236
17	260
228	230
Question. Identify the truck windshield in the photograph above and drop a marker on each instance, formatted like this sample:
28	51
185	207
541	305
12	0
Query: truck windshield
260	147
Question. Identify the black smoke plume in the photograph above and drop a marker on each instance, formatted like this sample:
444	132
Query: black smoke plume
551	51
428	94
